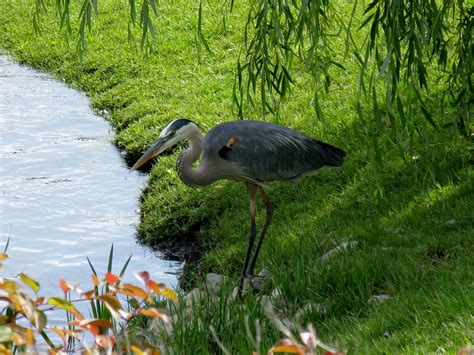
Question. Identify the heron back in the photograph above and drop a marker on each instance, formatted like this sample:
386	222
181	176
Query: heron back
262	151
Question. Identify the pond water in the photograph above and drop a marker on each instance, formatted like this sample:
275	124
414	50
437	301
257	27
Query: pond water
65	191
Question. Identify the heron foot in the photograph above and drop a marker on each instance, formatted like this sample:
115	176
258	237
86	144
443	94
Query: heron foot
243	286
254	282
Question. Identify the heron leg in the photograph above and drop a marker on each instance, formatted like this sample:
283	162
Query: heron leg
252	191
266	223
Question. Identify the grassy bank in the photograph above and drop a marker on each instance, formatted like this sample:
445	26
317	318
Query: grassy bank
411	216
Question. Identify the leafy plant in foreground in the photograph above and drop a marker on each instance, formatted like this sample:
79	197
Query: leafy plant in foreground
108	316
15	336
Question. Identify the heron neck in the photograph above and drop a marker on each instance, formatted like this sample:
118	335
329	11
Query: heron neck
193	176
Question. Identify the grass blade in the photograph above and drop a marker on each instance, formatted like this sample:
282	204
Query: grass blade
91	266
122	272
111	258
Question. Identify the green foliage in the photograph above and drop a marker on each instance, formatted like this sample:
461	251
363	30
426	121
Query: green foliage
405	40
88	8
397	42
278	35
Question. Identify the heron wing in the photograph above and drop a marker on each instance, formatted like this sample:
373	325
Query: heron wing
264	151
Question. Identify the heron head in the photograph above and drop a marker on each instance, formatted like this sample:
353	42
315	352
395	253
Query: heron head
173	133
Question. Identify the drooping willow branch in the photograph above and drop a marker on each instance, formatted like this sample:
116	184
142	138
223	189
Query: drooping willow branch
407	46
88	9
405	42
278	34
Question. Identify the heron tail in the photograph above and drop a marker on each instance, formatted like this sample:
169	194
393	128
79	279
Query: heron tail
333	156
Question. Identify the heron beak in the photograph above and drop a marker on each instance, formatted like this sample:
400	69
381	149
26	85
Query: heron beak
152	152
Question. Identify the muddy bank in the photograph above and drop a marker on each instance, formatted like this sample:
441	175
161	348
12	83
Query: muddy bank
186	249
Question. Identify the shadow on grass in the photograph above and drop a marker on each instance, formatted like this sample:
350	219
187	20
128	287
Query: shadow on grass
414	244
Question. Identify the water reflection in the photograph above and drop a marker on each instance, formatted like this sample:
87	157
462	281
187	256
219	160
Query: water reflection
65	192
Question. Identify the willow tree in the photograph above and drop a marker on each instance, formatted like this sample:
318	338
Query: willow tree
408	44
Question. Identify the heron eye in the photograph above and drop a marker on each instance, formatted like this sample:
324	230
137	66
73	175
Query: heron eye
172	133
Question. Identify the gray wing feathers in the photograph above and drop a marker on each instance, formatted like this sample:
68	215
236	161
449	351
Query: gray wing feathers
266	151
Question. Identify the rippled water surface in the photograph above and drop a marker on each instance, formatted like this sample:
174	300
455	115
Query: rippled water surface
65	192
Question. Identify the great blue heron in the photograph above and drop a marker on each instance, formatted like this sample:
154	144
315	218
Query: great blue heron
250	151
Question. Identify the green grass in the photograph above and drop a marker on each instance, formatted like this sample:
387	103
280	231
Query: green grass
411	216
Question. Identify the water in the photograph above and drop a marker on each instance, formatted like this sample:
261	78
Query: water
65	191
